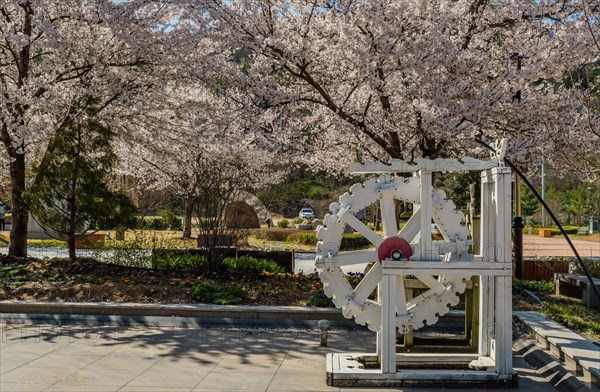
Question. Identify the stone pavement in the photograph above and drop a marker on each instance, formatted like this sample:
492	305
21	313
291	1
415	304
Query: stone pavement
184	356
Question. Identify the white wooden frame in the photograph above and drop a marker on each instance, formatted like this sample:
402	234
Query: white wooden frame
493	362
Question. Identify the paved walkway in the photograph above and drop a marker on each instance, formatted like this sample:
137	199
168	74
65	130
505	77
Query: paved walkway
557	246
182	357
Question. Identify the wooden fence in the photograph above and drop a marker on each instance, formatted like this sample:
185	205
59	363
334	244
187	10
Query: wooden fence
543	269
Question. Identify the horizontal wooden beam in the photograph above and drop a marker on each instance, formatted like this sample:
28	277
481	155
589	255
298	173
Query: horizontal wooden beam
445	165
441	268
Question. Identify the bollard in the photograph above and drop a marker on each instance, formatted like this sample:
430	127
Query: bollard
324	327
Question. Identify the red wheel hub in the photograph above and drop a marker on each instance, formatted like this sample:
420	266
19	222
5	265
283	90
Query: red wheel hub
394	244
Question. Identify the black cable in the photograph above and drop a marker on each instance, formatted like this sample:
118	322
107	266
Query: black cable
562	230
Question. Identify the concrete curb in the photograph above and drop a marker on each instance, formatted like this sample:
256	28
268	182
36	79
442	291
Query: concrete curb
182	310
172	310
550	369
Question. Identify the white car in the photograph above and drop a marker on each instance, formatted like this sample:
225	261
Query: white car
306	213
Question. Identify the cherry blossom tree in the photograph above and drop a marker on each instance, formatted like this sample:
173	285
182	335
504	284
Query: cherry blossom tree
403	79
57	56
225	176
581	142
300	79
209	169
210	156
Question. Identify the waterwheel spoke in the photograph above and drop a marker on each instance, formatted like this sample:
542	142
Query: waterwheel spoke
363	229
435	287
433	283
420	298
356	257
388	215
412	227
367	284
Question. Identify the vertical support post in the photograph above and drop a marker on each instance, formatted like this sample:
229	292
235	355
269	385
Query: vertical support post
379	346
475	234
426	191
503	303
487	247
503	327
388	322
469	310
495	297
409	294
502	196
379	341
475	322
486	315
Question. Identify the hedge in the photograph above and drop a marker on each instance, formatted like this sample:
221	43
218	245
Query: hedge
304	238
273	234
553	230
349	241
154	223
247	264
354	241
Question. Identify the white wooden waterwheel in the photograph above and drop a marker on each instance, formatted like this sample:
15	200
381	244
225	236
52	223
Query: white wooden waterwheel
393	244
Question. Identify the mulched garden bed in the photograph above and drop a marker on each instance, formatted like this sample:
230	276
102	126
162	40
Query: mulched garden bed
31	279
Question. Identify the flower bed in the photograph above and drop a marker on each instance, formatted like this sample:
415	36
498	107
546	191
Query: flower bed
89	280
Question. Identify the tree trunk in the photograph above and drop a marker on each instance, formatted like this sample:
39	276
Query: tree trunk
71	246
188	214
18	231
